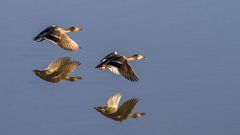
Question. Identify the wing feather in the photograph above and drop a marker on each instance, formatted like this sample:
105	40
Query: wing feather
67	43
54	65
113	101
126	108
126	70
109	56
69	67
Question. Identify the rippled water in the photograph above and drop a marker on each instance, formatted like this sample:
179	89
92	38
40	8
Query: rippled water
189	83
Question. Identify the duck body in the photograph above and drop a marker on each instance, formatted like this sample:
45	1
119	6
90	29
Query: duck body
58	35
119	64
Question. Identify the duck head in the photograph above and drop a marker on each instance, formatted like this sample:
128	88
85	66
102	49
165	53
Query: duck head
75	29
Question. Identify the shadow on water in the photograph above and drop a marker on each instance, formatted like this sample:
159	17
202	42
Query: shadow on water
59	70
122	112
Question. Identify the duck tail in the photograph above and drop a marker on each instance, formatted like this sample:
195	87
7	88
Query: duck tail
136	115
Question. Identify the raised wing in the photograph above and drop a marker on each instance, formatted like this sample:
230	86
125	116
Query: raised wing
54	65
69	67
109	56
42	35
113	101
125	109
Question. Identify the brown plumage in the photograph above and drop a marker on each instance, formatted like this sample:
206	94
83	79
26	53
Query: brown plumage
119	113
59	70
59	36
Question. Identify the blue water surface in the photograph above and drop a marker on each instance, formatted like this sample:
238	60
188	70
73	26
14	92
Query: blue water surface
189	83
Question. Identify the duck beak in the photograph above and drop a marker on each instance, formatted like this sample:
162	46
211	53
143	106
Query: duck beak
95	108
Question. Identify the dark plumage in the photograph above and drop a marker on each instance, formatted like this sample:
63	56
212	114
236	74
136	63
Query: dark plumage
119	65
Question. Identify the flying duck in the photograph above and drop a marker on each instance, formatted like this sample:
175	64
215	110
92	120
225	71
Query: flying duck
58	35
119	64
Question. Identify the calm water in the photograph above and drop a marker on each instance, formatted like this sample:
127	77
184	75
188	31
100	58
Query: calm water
189	83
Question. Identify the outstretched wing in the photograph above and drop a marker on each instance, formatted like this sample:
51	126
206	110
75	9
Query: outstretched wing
125	109
42	35
109	56
69	67
124	68
54	65
67	43
113	101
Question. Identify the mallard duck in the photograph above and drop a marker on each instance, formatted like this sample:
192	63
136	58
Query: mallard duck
59	70
119	113
58	35
119	64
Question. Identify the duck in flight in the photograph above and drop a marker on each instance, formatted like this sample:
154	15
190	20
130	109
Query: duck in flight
119	64
59	70
58	35
122	112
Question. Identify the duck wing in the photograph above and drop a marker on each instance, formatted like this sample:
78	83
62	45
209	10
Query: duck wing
57	36
56	64
125	109
121	66
66	42
113	101
68	68
42	35
110	56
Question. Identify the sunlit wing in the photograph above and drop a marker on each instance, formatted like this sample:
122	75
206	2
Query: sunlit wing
67	43
54	65
69	67
113	101
125	109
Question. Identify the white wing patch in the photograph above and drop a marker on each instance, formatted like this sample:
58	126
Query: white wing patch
118	62
114	100
103	60
52	41
55	36
114	70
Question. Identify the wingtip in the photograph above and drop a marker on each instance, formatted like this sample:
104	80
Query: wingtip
118	94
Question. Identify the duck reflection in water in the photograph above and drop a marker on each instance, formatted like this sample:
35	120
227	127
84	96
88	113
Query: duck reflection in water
119	113
59	70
